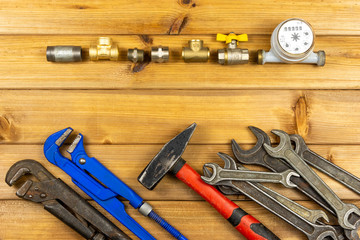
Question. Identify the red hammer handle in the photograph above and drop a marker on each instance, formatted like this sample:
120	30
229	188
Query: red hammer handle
246	224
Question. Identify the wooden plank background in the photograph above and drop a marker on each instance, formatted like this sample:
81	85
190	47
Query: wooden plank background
128	111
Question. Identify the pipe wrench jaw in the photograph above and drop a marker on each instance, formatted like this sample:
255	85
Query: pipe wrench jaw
52	147
77	151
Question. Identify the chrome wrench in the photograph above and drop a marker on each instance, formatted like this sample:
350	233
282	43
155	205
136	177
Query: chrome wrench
220	174
285	151
251	190
325	166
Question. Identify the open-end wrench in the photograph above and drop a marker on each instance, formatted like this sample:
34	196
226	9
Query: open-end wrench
325	166
258	156
220	174
309	214
285	151
251	190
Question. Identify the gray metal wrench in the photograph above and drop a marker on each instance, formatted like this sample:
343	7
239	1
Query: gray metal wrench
258	156
251	190
325	166
285	151
220	174
309	214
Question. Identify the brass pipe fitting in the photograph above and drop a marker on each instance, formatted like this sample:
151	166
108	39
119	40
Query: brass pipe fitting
196	52
104	50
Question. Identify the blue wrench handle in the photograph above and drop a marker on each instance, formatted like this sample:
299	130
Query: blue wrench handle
153	215
117	209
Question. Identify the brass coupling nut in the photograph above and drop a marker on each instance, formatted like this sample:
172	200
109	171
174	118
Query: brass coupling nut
105	49
196	52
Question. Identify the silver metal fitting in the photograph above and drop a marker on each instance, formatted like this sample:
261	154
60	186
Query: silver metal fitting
292	41
145	209
135	55
160	54
63	54
233	55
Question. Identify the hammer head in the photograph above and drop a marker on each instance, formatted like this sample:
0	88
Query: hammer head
164	161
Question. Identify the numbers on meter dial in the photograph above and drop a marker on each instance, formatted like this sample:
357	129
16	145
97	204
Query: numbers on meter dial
295	37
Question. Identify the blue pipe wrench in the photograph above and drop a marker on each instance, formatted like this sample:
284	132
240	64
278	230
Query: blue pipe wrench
87	172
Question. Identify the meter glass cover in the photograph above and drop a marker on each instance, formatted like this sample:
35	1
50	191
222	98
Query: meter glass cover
295	36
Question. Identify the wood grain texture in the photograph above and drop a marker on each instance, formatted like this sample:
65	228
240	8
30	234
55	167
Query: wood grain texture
174	17
24	66
127	162
148	117
36	223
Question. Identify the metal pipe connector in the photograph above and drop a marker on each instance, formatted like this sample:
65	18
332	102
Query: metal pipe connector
135	55
196	52
104	50
160	54
63	53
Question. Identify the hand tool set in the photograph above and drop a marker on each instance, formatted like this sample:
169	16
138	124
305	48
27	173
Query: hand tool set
289	163
281	159
292	41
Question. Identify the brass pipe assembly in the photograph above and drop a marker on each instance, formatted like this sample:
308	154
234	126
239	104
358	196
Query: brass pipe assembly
196	52
232	55
105	49
292	41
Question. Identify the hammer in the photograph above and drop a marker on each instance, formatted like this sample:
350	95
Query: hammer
169	160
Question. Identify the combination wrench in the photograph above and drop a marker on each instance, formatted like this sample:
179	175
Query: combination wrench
254	192
325	166
221	174
285	151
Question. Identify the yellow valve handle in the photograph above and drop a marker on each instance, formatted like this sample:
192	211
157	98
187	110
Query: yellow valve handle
232	36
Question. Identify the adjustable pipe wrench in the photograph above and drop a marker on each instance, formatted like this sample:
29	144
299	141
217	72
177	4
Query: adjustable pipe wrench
86	173
62	201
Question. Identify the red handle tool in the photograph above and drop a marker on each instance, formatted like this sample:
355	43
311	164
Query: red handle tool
246	224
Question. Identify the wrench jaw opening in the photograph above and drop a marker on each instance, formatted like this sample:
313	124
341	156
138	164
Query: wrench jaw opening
77	151
24	167
252	155
343	219
285	143
324	235
210	177
52	147
299	142
287	178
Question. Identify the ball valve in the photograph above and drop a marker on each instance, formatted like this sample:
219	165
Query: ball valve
232	55
292	41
